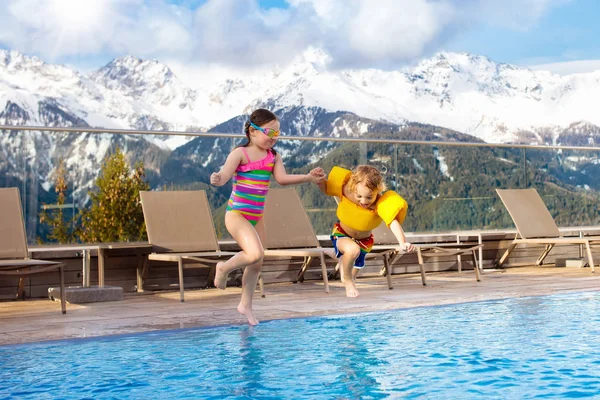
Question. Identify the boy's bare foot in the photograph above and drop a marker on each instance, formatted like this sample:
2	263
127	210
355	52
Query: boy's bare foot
351	290
247	312
220	276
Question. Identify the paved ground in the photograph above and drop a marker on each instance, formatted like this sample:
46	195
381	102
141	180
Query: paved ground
38	320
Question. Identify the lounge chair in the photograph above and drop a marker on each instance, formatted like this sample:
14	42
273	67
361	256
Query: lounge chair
180	229
535	225
386	241
290	232
14	255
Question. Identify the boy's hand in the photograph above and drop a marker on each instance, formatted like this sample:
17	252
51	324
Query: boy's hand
215	179
408	247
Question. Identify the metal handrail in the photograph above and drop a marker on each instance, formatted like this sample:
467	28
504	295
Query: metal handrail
305	138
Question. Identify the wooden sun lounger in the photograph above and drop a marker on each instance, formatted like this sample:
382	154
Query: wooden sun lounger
14	255
386	241
535	225
290	232
180	229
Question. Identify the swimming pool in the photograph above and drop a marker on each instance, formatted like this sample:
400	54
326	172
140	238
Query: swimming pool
516	348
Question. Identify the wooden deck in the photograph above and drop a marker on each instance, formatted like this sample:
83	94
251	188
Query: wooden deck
40	319
121	266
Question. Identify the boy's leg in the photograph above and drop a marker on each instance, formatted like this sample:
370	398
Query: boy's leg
350	251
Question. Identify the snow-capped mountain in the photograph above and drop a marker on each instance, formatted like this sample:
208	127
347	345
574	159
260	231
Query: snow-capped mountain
467	93
463	92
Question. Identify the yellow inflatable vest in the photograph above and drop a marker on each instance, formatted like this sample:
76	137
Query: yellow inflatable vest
388	207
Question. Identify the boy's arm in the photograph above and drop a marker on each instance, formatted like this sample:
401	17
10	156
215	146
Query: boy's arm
400	236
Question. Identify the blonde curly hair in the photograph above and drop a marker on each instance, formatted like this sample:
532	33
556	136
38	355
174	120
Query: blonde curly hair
369	176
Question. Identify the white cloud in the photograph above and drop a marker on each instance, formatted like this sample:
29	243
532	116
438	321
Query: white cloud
356	33
568	67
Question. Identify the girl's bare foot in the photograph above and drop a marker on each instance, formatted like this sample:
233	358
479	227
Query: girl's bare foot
351	290
247	312
220	276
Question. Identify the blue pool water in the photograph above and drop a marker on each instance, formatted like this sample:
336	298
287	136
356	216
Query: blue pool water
539	347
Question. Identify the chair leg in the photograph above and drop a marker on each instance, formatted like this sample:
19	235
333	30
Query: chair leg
63	301
502	260
589	254
542	256
458	256
141	272
476	267
324	272
21	289
180	266
388	271
335	274
421	266
261	286
305	264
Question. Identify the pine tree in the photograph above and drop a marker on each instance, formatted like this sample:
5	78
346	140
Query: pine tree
115	214
59	228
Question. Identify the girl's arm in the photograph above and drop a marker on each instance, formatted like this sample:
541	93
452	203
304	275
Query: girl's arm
283	178
233	160
399	233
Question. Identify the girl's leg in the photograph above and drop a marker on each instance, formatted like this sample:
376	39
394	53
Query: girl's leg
249	280
351	251
247	238
250	257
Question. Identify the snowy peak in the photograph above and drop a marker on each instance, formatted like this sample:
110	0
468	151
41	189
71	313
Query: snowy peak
132	76
35	76
140	79
15	60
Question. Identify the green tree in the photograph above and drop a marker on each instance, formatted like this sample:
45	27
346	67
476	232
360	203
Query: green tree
54	218
115	214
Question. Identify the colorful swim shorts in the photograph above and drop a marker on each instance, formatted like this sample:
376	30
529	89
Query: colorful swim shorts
365	244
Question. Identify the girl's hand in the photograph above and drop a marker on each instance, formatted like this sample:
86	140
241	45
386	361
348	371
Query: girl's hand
317	175
318	172
316	179
215	179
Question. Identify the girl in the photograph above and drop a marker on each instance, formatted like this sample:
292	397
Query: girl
363	205
251	166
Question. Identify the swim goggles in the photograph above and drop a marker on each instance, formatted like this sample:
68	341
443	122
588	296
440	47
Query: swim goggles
272	133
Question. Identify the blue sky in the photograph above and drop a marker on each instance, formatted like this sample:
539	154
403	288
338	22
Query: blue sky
567	32
386	34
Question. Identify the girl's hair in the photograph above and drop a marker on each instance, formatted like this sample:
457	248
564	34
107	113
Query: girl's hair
369	176
258	117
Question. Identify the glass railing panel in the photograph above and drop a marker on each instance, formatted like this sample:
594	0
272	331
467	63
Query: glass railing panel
466	181
188	167
58	173
568	182
447	187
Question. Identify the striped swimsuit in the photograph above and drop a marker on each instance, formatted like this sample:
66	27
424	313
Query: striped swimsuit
250	187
